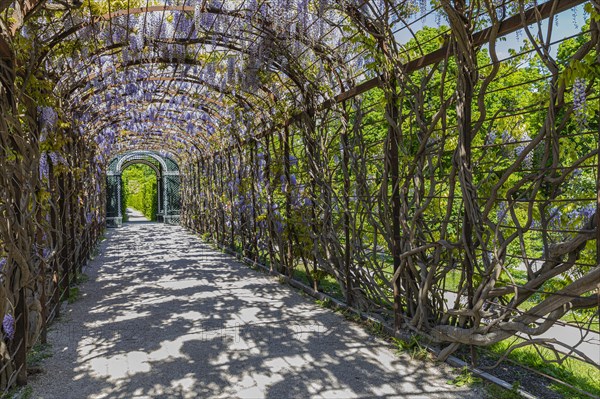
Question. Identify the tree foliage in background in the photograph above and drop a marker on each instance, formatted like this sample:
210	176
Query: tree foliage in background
140	190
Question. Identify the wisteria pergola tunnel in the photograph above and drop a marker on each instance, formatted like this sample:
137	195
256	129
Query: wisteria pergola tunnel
397	150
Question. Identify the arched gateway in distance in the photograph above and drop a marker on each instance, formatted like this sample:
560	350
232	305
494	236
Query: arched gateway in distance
167	178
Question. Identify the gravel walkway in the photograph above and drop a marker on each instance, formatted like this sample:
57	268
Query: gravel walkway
165	316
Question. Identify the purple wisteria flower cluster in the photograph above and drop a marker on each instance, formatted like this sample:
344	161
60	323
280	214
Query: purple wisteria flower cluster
8	325
580	102
559	219
501	212
44	169
524	142
57	158
48	118
583	213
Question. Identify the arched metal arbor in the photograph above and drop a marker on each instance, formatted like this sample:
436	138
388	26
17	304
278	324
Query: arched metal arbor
168	182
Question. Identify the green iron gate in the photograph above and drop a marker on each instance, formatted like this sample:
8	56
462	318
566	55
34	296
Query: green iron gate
167	174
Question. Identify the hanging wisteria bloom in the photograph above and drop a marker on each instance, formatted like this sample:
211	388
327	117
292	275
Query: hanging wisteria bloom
8	325
528	161
2	263
501	212
283	183
53	158
580	102
44	167
48	118
491	138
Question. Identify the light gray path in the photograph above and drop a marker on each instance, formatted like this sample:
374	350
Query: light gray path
165	316
133	215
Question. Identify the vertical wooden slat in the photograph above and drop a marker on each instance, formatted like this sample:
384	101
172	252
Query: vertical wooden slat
393	142
21	332
347	217
289	228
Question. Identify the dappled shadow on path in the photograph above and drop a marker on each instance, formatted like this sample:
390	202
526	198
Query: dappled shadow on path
166	316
